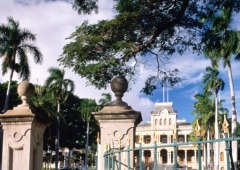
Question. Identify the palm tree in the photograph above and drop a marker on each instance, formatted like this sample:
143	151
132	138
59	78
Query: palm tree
107	98
15	43
204	109
60	89
224	43
40	101
213	83
87	107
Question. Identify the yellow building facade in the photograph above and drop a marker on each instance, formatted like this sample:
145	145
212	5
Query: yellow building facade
163	122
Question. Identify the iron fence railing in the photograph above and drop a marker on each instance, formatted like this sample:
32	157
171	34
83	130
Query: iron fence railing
113	156
113	161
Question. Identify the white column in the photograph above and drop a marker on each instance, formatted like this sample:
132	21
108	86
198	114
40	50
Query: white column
169	158
195	156
142	155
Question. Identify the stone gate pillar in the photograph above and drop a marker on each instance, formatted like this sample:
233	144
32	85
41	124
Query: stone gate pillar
22	134
117	121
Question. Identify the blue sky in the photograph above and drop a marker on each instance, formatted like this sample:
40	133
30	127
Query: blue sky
53	21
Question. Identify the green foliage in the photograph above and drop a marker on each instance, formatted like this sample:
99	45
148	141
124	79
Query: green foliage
14	98
59	87
220	41
204	110
72	127
85	6
86	108
143	33
42	104
212	81
15	43
107	98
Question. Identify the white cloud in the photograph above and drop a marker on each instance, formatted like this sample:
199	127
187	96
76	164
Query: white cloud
53	22
191	67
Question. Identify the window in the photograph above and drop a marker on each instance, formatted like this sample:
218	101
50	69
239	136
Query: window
156	121
165	121
170	121
160	122
137	137
180	139
148	140
164	140
188	139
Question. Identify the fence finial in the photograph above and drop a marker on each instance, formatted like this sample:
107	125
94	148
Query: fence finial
225	125
198	128
140	138
175	132
155	136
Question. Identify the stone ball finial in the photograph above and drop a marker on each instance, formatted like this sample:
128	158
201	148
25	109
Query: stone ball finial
25	90
119	86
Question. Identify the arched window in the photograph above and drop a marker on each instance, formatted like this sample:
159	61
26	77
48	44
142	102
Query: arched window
156	121
165	121
170	121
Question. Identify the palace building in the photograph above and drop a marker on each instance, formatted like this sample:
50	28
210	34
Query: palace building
163	122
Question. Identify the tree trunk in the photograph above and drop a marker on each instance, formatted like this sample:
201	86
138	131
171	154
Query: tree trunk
205	156
216	153
208	149
57	139
234	117
86	147
8	92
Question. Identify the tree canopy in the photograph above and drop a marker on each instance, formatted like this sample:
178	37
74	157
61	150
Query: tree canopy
142	34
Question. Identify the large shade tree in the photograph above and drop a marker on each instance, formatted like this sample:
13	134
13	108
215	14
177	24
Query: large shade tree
15	45
142	33
222	43
60	88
